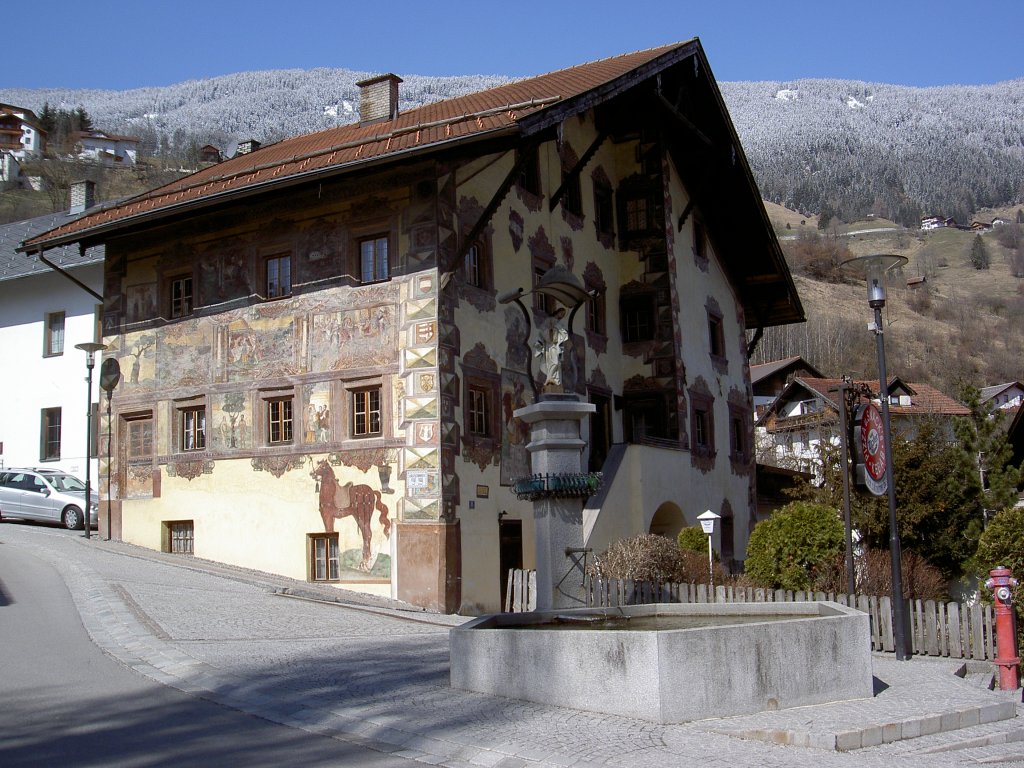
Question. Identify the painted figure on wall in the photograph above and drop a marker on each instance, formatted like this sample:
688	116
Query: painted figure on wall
339	500
515	394
317	416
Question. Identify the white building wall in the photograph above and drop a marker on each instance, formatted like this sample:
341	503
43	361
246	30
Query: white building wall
31	381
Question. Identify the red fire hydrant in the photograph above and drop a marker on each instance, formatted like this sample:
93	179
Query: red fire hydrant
1001	582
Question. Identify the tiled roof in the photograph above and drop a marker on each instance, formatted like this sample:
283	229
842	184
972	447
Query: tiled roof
924	399
477	115
987	393
14	264
764	370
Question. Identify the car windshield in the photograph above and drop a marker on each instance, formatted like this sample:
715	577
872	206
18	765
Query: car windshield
66	483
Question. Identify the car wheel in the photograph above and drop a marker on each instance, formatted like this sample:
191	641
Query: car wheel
72	518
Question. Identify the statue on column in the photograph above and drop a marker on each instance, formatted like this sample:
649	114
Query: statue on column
551	348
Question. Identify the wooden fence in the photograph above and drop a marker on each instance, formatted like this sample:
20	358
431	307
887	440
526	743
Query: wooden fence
936	628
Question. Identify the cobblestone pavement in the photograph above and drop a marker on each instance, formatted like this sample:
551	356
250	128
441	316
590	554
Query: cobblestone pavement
374	672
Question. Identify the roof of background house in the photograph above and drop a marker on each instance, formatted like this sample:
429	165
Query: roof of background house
104	136
14	264
924	398
523	109
987	393
764	370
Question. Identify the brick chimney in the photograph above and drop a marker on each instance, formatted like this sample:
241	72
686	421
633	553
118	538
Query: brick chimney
378	98
247	146
83	195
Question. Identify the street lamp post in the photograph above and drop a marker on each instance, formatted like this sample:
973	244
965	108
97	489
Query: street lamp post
707	523
874	269
90	348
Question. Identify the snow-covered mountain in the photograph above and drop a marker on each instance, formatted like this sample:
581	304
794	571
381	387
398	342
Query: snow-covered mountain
832	146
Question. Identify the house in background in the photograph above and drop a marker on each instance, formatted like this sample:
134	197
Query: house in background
768	380
21	138
45	309
106	148
319	378
1003	396
807	413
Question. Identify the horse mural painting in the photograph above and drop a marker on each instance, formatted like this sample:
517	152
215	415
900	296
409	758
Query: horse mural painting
339	500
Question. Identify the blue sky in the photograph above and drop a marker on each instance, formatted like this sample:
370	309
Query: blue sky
121	44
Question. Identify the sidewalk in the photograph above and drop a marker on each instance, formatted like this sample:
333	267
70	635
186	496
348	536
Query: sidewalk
374	672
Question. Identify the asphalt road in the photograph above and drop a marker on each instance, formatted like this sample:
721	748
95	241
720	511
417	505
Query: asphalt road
63	702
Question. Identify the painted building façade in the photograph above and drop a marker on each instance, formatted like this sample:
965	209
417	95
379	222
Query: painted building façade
319	378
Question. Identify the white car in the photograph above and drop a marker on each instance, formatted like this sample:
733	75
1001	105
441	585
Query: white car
48	495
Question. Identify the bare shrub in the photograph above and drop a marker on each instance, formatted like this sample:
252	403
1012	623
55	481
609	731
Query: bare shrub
921	580
648	557
818	257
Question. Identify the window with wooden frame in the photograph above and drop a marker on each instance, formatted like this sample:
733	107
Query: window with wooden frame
572	197
278	273
481	395
53	342
49	434
324	559
641	209
138	436
739	442
279	420
192	428
478	411
604	209
373	259
529	173
637	312
702	424
180	296
366	412
476	266
542	302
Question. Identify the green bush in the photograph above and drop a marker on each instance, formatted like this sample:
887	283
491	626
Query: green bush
785	549
693	539
1002	543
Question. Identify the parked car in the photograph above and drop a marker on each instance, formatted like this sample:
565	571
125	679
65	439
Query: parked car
45	494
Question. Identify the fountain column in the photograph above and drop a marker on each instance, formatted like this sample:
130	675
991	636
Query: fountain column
558	494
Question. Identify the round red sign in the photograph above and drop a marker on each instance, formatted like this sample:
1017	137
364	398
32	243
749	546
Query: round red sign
871	439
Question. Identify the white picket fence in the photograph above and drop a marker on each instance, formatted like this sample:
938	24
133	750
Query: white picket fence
937	628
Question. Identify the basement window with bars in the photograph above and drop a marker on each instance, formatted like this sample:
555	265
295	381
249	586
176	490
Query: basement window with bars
179	537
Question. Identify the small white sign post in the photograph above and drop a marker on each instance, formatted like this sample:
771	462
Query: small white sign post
707	522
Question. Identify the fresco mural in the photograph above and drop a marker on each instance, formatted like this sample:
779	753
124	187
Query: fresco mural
352	338
233	419
261	347
141	302
515	393
139	362
339	501
183	355
316	413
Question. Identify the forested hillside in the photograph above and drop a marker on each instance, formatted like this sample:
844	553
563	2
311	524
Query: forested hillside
846	148
832	147
266	105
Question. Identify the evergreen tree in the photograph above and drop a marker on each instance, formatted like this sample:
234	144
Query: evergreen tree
984	440
979	254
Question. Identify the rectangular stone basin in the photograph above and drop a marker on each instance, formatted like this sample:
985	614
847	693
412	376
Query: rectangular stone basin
677	662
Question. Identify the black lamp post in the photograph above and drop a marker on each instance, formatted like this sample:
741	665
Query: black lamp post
874	269
90	348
